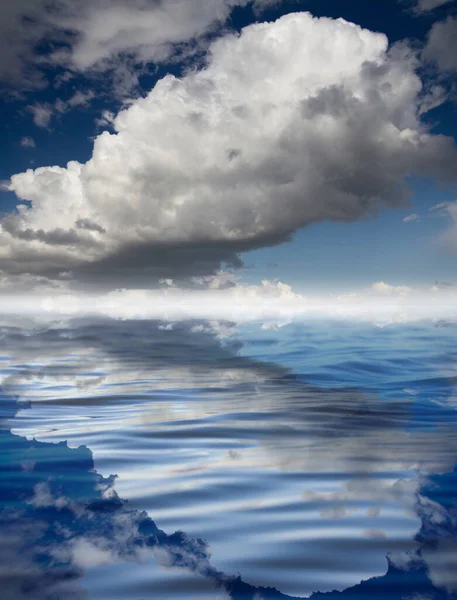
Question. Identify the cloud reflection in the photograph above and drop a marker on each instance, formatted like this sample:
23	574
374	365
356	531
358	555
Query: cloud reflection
236	450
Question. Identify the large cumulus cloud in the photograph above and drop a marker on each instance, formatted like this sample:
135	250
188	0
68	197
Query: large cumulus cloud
289	123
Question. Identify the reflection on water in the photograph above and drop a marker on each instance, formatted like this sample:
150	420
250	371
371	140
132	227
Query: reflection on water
308	460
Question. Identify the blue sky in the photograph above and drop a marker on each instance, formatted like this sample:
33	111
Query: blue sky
52	109
334	256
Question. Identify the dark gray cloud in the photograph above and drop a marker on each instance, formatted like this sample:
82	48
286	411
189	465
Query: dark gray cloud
55	237
89	225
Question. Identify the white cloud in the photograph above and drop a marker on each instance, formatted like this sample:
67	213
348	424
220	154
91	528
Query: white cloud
42	114
167	282
235	303
273	304
235	156
87	553
384	288
106	120
43	497
219	281
28	142
441	45
410	218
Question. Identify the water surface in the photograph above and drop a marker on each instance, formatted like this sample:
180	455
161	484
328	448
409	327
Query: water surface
306	459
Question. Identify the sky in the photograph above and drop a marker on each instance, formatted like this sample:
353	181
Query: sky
221	143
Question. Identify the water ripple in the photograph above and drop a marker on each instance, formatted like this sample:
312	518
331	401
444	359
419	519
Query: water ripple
301	464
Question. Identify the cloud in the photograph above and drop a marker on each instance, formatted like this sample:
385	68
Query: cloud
449	210
441	46
439	285
43	497
46	544
441	561
424	6
438	532
441	208
87	553
220	281
106	120
42	114
18	37
223	300
89	225
435	95
101	34
77	100
28	142
384	288
31	283
235	156
410	218
104	30
80	98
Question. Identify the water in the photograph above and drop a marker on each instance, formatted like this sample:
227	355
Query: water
294	461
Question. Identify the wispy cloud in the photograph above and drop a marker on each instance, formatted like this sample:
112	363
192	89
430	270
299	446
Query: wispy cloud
42	114
28	142
410	218
425	6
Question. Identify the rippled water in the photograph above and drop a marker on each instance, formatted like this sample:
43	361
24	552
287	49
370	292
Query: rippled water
308	458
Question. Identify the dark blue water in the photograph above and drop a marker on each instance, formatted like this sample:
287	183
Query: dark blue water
212	462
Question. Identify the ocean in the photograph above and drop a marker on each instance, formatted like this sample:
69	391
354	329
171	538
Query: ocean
204	460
